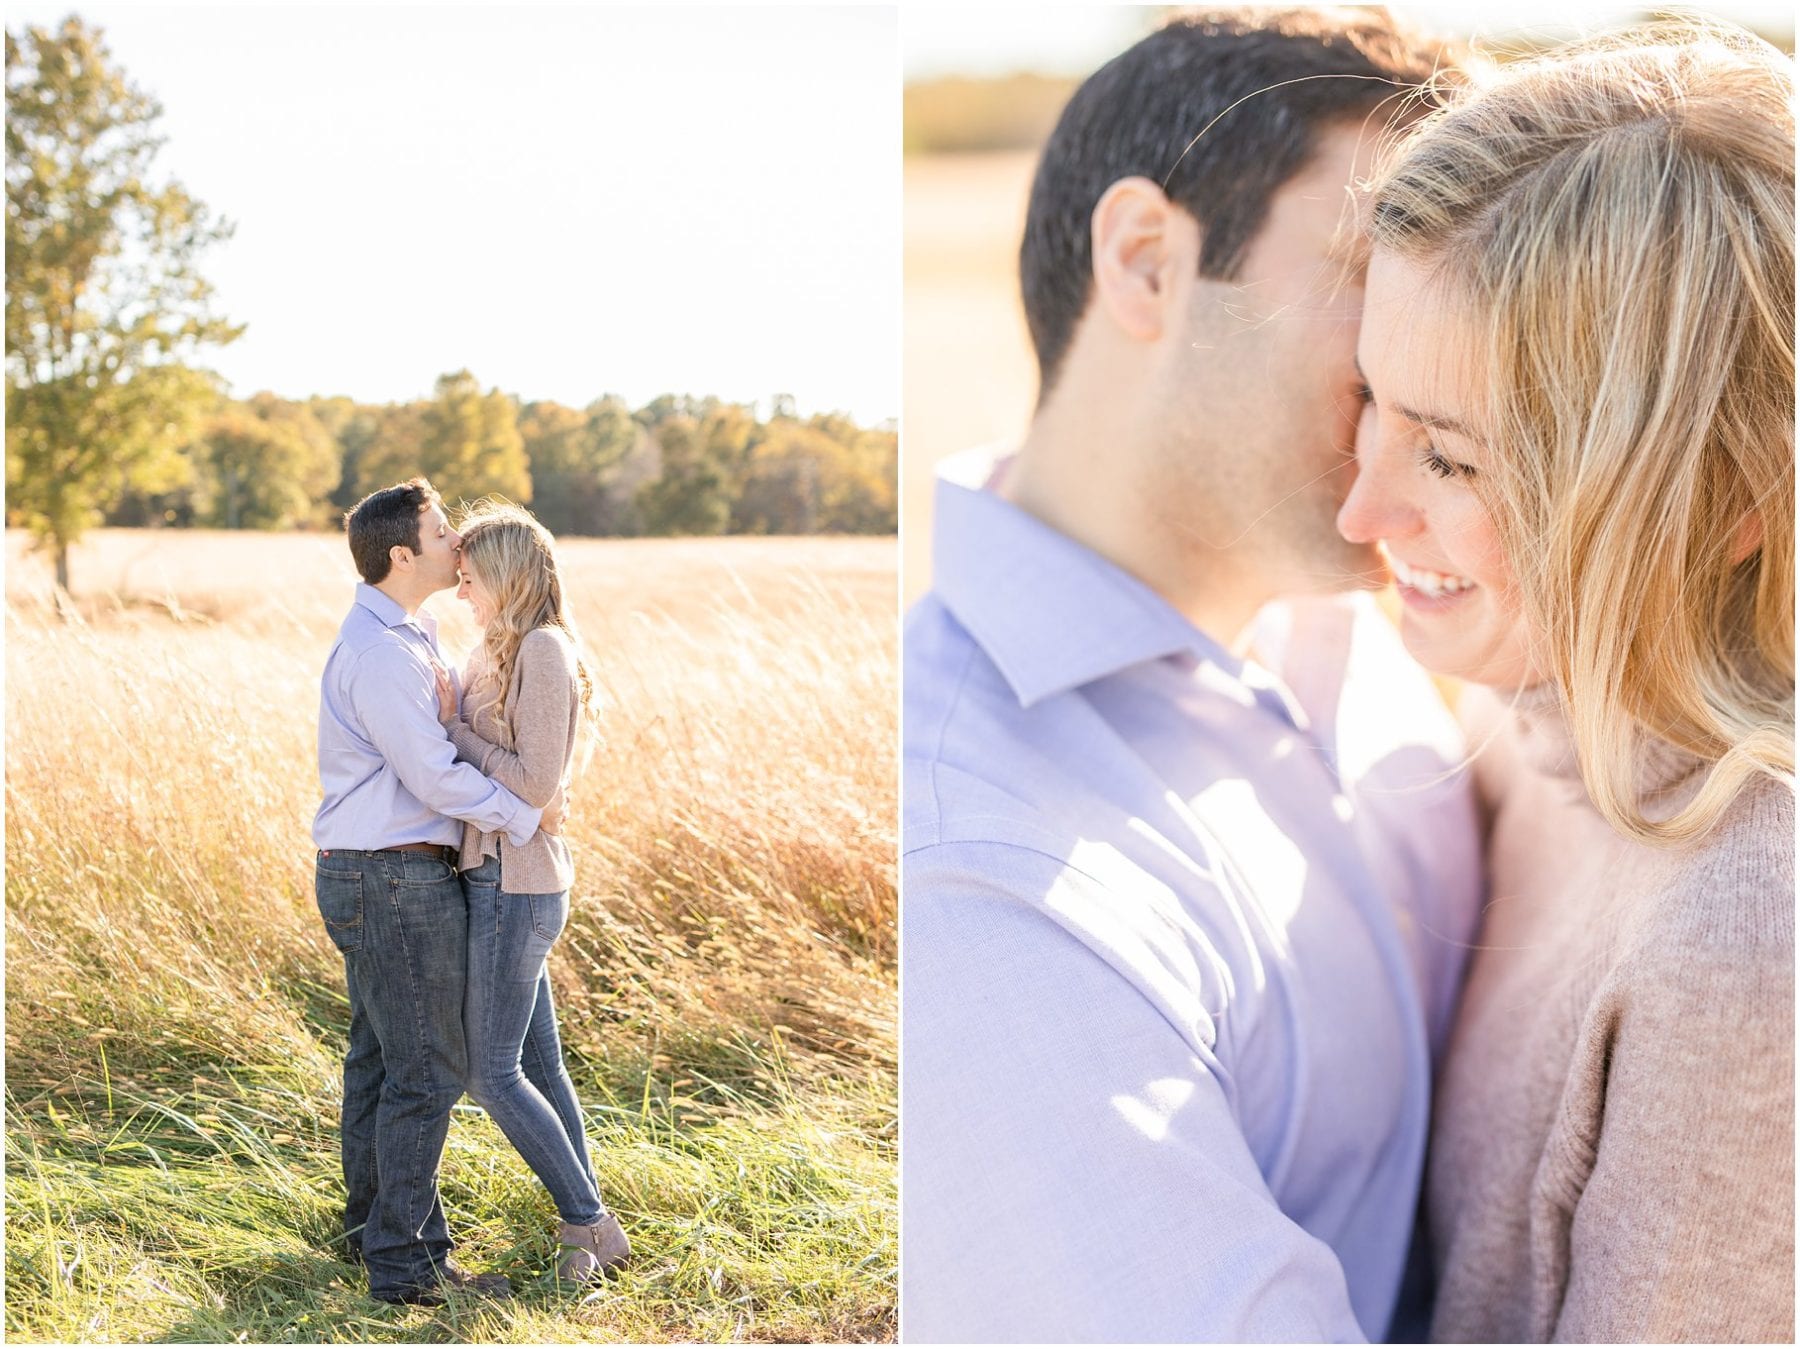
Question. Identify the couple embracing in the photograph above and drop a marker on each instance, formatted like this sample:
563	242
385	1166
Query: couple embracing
443	879
1234	1010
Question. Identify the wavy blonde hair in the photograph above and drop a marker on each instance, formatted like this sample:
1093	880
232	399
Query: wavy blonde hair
515	557
1617	221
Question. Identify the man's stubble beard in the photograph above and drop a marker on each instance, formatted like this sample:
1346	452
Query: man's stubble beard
1319	560
1250	508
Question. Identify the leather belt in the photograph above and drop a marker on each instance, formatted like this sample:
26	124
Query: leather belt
443	850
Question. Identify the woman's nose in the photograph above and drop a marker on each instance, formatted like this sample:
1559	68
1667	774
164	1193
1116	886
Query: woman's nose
1359	518
1377	507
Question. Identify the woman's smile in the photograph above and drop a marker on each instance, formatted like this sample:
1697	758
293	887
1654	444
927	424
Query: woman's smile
1427	590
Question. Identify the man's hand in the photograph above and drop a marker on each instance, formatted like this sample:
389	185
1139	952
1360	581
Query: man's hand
555	814
446	693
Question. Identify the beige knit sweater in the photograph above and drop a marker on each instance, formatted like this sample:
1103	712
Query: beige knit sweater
1613	1148
530	758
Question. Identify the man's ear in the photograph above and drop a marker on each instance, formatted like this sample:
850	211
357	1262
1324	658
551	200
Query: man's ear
400	558
1142	243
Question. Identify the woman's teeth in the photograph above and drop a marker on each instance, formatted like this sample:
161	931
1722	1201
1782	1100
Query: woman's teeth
1429	582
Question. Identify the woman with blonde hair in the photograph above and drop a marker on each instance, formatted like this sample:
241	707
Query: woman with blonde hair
1578	343
524	696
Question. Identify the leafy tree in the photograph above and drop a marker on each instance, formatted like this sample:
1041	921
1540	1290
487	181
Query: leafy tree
268	464
862	496
394	450
104	300
561	482
352	427
632	459
465	441
692	495
472	441
730	429
665	406
170	504
586	466
780	491
825	475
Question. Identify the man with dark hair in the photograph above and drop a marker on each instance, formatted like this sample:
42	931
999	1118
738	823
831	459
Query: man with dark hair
388	834
1148	114
1188	872
385	520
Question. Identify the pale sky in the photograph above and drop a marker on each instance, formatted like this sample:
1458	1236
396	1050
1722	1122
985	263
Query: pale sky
1074	39
567	201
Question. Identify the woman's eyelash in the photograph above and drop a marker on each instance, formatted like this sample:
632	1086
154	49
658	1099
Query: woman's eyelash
1444	468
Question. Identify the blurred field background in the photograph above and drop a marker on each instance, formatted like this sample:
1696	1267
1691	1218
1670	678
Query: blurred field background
176	1014
970	374
983	91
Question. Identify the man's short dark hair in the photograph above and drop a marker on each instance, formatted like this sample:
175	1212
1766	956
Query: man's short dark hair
1137	115
383	519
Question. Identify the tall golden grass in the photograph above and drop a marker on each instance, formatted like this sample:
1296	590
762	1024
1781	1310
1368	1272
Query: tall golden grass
730	958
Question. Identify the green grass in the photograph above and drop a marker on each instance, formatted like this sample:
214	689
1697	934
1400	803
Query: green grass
176	1184
204	1210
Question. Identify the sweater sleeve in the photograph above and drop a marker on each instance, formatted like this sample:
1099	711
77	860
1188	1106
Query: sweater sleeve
1684	1229
533	768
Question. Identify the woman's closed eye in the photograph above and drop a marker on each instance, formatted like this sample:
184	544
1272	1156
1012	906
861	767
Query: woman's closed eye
1432	459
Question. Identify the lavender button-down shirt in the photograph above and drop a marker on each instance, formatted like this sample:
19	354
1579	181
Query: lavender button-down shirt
1181	933
386	764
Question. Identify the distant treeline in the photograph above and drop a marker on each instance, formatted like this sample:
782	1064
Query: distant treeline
961	114
677	465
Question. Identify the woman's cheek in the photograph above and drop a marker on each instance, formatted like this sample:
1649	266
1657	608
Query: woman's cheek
1483	560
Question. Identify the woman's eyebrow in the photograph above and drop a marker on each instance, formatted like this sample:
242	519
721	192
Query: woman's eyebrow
1441	421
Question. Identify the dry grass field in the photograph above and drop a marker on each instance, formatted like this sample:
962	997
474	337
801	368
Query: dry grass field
175	1012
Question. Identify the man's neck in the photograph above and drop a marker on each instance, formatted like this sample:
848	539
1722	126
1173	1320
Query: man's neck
400	593
1080	471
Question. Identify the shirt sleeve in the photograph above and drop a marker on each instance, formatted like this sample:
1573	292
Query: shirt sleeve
1073	1167
395	700
533	769
1684	1229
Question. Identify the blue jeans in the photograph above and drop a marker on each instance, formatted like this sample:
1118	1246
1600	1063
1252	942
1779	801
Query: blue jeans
401	922
516	1069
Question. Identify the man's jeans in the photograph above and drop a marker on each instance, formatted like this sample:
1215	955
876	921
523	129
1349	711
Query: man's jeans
516	1070
401	922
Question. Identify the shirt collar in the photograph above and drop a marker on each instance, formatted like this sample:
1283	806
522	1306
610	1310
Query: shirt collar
1050	613
388	610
